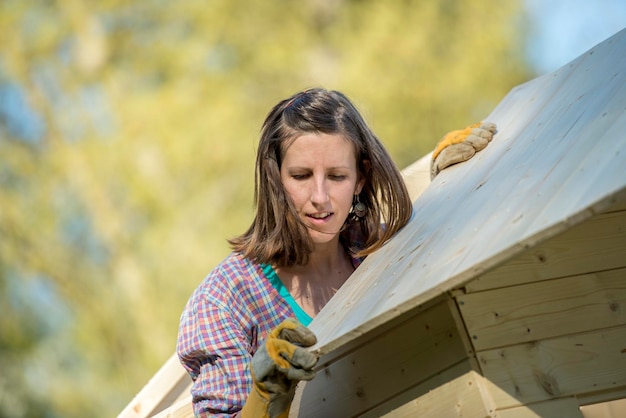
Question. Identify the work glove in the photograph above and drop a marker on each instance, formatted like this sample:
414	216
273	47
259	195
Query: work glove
461	145
277	367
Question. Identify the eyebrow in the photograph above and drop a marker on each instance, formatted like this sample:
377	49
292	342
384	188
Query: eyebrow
339	167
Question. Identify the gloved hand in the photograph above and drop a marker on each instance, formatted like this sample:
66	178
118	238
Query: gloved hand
277	367
461	145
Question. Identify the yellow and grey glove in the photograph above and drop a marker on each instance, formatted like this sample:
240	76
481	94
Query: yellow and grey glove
277	367
461	145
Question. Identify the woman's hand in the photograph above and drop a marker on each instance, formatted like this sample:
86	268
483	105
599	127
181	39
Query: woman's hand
277	367
461	145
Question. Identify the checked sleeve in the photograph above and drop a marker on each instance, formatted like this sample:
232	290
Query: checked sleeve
225	320
217	357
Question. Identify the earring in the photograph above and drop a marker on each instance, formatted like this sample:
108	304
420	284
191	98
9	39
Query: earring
358	208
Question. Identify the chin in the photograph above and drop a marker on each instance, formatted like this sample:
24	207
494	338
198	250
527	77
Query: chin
321	238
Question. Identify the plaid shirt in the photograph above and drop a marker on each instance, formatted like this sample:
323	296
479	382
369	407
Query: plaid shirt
225	320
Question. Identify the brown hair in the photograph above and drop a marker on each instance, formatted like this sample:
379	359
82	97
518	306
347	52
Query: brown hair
277	235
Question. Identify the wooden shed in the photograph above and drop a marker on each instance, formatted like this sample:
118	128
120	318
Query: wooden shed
505	296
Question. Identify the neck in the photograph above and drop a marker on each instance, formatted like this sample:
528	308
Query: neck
313	284
327	258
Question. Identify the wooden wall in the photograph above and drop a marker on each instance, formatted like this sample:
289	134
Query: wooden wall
551	323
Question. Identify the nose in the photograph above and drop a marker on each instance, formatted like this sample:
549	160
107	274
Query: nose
319	194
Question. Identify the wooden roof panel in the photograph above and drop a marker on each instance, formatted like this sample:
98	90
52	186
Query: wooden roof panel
559	156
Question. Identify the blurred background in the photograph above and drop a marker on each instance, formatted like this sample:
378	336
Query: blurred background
127	142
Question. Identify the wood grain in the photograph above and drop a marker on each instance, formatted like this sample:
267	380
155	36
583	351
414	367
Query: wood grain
560	367
595	245
547	309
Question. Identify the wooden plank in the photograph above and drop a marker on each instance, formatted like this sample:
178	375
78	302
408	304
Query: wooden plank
463	333
596	244
602	160
568	366
618	205
165	387
408	396
547	309
180	409
561	145
460	397
171	398
380	369
602	396
417	176
555	408
559	156
614	409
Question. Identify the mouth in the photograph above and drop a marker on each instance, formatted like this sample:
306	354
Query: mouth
319	217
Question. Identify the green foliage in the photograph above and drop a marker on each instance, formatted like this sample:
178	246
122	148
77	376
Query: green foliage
148	115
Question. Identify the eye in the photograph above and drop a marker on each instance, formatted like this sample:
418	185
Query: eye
337	177
299	176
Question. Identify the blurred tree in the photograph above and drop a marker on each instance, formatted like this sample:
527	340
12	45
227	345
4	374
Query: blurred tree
127	137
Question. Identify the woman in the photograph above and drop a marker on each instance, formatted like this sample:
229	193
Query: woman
324	188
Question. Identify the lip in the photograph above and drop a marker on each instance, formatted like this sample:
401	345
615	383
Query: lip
319	221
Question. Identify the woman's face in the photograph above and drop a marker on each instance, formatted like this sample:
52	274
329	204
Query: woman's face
319	172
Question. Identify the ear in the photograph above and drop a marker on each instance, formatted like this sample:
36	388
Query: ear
359	186
361	180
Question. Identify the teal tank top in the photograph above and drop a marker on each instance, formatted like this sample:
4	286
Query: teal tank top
271	275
